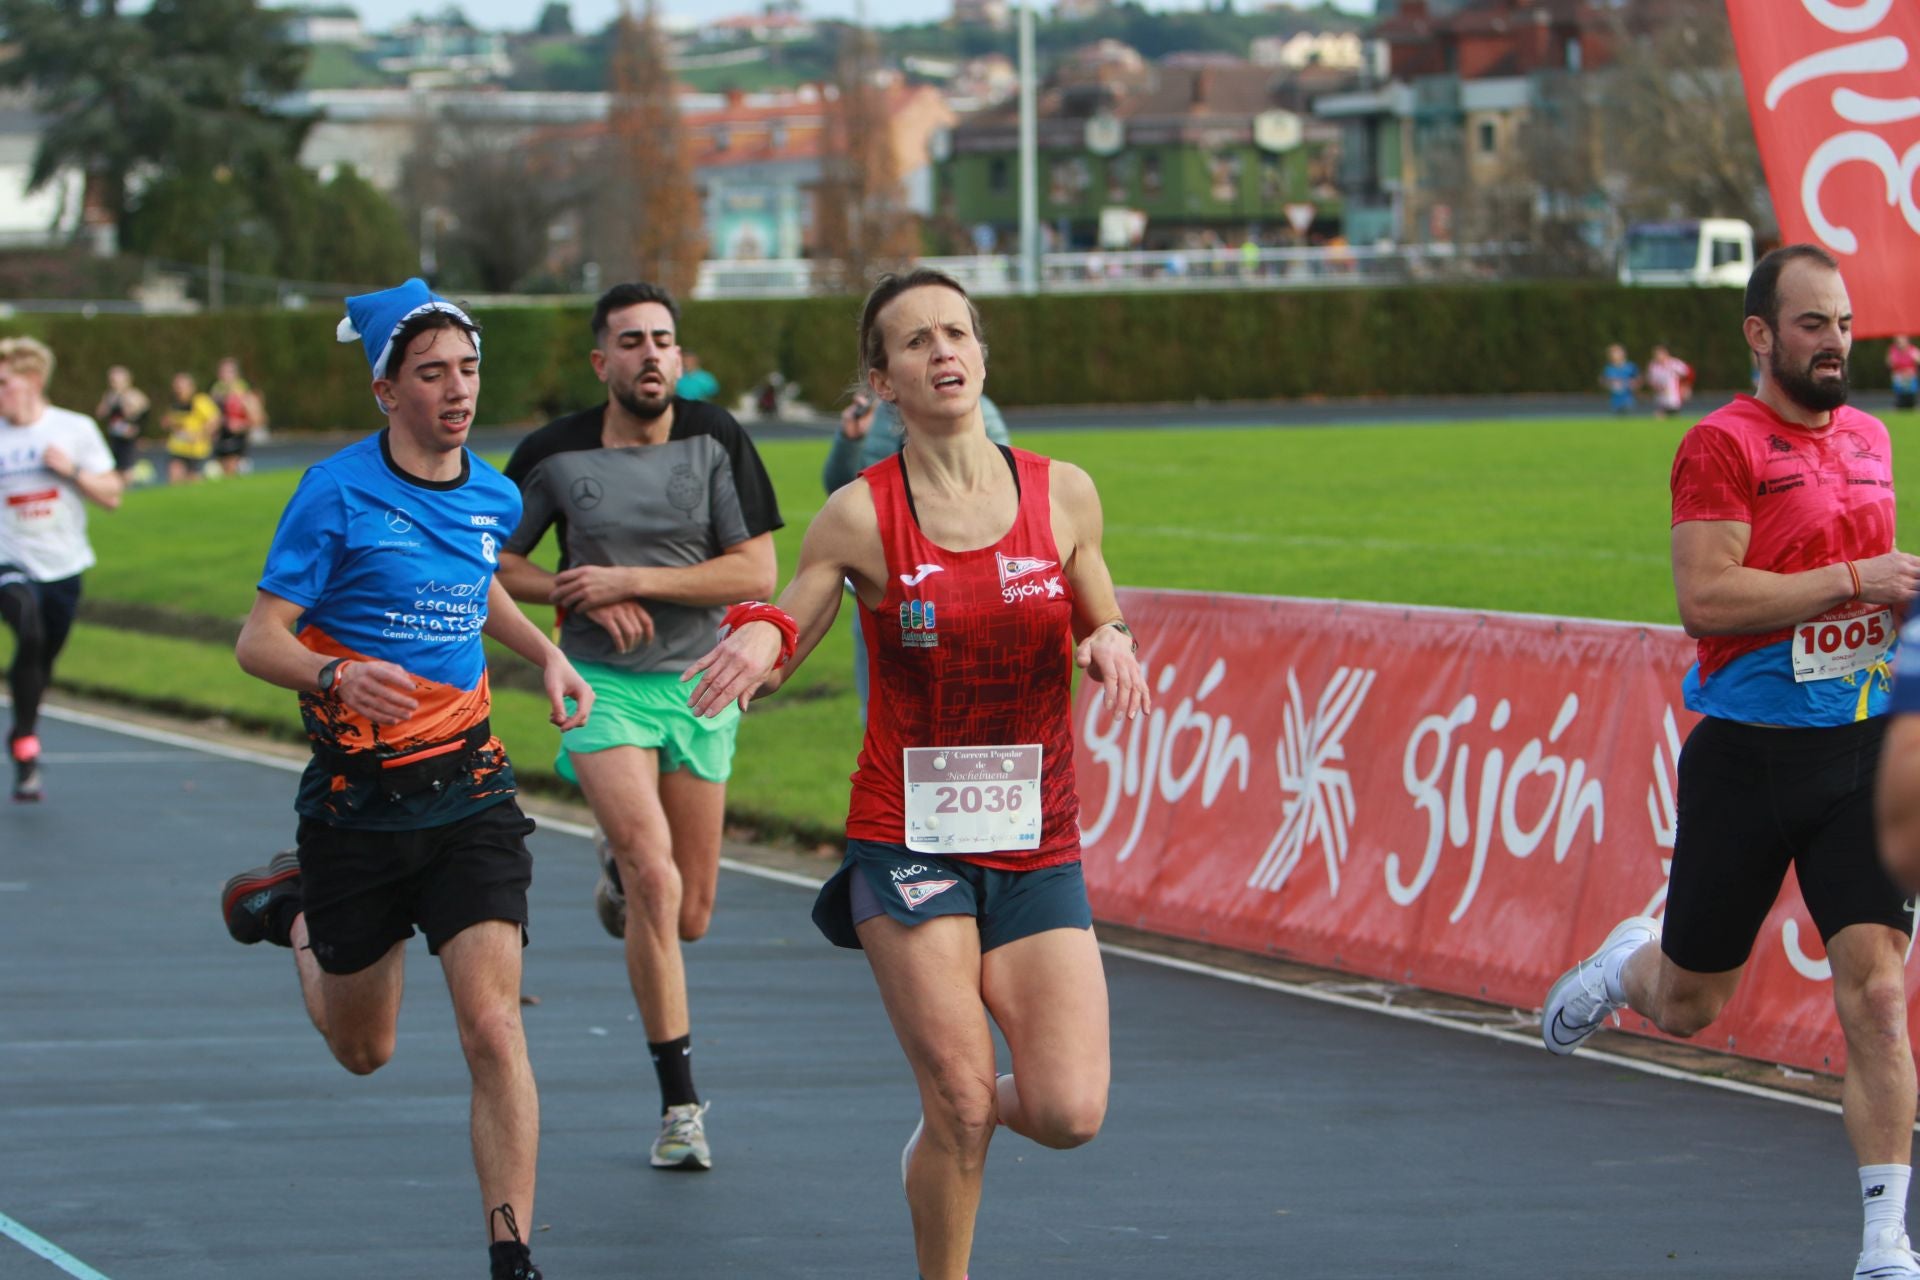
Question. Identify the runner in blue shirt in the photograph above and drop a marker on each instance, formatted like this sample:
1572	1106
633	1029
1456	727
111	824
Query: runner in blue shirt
377	590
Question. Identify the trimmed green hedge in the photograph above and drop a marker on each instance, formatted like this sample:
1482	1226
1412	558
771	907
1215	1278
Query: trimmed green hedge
1116	348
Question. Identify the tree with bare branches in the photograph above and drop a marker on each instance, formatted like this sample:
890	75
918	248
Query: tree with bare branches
654	205
861	225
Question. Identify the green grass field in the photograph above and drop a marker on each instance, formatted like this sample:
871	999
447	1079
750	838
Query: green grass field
1561	517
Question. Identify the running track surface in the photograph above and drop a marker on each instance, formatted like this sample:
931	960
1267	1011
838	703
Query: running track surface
166	1111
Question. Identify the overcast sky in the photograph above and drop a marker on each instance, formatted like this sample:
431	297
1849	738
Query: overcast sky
591	15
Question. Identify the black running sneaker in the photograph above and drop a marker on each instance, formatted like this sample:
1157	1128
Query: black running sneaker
249	901
511	1259
26	768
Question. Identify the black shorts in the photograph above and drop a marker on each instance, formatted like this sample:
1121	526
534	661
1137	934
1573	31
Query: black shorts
1753	800
363	891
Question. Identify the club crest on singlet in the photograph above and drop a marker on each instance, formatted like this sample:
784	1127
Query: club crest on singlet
1020	578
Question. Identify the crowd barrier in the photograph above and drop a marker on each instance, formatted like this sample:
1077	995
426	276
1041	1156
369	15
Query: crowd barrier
1465	802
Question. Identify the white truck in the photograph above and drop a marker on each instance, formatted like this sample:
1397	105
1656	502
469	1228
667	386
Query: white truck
1690	251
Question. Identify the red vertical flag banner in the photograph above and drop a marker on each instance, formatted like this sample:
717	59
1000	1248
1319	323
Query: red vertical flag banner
1462	801
1834	92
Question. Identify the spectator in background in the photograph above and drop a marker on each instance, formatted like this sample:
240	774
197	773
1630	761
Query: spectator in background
122	413
241	410
1670	379
695	383
870	432
191	424
1620	377
1903	362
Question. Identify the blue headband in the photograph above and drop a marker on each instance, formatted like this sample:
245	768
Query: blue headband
375	319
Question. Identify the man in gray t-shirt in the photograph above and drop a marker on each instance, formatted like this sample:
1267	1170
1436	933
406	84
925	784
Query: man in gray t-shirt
664	516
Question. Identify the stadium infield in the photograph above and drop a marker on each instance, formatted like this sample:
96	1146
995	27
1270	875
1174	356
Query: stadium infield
1551	515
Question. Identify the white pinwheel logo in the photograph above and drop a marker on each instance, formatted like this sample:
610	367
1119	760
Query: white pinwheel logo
1319	805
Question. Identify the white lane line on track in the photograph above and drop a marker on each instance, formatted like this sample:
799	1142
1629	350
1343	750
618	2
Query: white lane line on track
39	1245
1334	997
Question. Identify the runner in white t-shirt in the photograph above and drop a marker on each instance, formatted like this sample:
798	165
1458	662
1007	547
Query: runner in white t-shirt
50	459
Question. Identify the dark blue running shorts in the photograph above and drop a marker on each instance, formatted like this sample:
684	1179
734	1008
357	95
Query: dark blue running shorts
912	888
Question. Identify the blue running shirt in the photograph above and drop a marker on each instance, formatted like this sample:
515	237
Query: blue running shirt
393	568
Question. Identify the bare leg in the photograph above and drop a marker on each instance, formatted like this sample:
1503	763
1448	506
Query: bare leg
357	1014
1870	995
929	979
622	785
1678	1001
1048	993
482	964
696	816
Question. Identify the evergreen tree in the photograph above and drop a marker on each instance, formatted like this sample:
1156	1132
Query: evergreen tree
177	87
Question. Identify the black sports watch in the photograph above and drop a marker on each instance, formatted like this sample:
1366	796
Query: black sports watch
329	678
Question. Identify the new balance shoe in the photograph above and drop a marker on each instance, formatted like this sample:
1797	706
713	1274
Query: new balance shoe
1889	1258
251	901
609	899
510	1259
682	1143
1577	1006
26	768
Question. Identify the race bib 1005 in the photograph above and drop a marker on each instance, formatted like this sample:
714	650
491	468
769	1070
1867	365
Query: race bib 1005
1823	650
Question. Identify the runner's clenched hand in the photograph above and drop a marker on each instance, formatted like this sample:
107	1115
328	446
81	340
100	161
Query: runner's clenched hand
630	625
383	692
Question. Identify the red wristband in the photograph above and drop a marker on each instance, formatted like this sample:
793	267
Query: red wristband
1855	575
760	611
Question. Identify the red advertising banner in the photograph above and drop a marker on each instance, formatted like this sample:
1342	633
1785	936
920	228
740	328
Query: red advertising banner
1462	801
1835	100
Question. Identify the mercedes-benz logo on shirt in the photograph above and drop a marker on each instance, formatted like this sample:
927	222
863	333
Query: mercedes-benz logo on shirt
586	493
398	520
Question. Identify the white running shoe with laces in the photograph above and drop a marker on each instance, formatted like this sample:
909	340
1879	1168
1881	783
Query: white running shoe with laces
682	1143
1577	1006
1889	1258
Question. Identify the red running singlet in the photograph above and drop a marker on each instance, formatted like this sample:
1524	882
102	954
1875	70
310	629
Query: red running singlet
969	649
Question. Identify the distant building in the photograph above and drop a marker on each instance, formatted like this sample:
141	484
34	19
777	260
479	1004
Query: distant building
50	216
1079	10
327	24
774	26
982	13
1341	49
442	50
1189	155
1444	133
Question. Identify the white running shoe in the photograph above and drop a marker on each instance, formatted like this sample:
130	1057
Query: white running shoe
906	1156
682	1143
1577	1006
1889	1258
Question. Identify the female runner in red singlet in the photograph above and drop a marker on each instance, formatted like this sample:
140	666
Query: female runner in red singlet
981	586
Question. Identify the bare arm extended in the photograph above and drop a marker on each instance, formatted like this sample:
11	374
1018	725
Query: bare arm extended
1720	596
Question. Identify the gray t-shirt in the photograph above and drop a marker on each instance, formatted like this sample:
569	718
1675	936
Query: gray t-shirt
668	505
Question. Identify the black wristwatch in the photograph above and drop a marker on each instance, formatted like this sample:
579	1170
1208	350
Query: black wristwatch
329	678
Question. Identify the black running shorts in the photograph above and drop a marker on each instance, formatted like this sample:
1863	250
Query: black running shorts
1753	800
363	891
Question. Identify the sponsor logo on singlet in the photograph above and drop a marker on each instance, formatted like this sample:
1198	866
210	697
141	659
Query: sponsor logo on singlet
917	625
920	574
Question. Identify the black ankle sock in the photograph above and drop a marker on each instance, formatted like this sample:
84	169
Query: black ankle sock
673	1063
280	920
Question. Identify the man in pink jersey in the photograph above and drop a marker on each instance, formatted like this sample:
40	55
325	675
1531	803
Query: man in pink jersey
1786	573
981	584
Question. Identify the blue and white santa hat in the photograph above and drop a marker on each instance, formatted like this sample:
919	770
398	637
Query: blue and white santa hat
374	319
